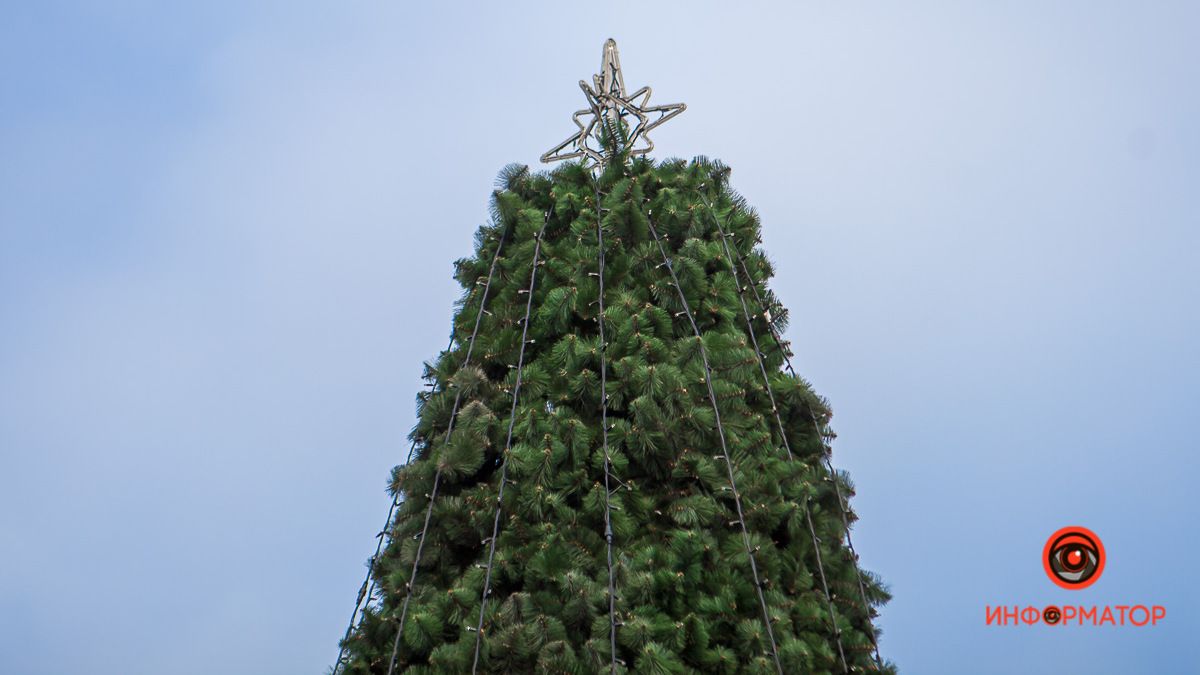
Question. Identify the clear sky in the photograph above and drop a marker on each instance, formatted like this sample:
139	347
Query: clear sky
226	237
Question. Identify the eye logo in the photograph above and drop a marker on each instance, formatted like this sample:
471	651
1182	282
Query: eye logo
1051	615
1073	557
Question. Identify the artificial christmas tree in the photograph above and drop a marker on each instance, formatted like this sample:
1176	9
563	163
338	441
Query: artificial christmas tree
615	468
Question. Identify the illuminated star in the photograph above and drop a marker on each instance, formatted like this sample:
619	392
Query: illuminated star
609	106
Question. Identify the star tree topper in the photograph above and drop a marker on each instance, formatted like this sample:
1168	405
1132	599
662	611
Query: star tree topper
609	106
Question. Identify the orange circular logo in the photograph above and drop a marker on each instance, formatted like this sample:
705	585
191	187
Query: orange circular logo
1073	557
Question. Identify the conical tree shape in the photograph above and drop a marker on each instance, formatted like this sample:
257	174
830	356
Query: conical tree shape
687	542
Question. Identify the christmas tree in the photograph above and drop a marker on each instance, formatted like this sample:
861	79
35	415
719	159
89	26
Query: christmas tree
615	468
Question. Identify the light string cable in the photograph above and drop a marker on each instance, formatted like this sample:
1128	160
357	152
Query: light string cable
821	436
816	541
410	586
608	529
368	584
712	397
512	418
367	590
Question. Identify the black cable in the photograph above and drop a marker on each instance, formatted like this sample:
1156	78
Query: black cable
410	585
816	541
368	584
758	585
512	418
842	506
367	590
608	530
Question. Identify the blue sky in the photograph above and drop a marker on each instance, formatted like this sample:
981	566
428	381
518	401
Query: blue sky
226	236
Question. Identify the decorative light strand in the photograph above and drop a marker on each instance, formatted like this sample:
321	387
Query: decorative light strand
842	506
367	590
712	397
608	530
410	585
512	418
368	584
816	541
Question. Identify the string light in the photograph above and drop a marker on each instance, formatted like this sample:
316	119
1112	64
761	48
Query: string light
512	419
369	584
437	477
608	530
367	590
712	397
766	313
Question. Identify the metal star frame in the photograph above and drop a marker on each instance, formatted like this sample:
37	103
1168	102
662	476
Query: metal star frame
609	107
